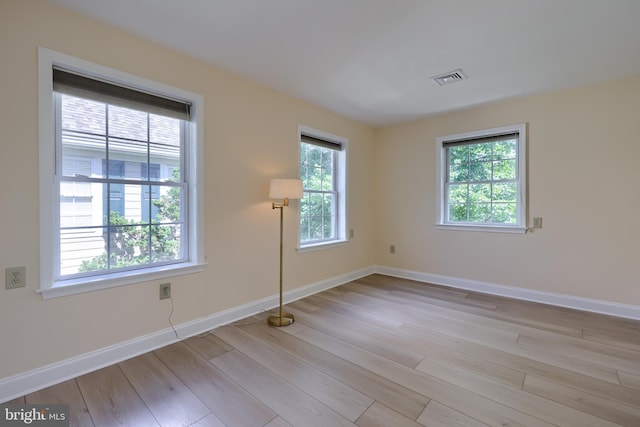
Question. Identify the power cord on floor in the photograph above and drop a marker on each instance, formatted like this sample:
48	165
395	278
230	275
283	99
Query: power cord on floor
169	319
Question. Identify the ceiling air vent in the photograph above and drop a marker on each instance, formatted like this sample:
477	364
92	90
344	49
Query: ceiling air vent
450	77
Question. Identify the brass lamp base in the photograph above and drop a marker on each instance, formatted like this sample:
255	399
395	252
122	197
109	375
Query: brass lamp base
284	320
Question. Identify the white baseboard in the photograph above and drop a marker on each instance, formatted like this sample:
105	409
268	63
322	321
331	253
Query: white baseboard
39	378
585	304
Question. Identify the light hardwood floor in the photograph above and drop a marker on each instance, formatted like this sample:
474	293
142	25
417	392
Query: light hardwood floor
379	351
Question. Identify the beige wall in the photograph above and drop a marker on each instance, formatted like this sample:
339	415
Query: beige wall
583	180
250	137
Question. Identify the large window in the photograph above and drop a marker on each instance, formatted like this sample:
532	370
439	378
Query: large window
323	205
482	180
124	173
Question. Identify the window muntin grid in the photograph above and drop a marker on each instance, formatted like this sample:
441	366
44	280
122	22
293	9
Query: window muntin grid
319	203
117	227
482	181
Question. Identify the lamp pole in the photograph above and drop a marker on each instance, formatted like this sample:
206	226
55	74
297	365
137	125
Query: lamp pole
283	318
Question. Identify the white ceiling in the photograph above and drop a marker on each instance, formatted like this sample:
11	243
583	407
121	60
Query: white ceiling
372	59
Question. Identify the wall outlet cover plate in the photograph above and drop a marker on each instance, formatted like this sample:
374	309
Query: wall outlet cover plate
15	277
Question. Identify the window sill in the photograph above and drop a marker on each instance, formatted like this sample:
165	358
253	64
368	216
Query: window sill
482	228
320	246
88	284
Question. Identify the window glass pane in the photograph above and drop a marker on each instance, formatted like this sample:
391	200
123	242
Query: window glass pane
480	171
128	244
315	205
165	242
76	165
480	193
127	155
480	152
304	228
79	152
315	228
328	231
173	174
327	180
328	156
146	206
168	204
82	250
504	169
112	169
458	212
132	203
504	149
504	213
83	115
78	207
314	156
164	130
480	212
459	172
458	154
113	203
127	123
168	156
458	193
304	205
314	179
315	174
83	125
312	213
304	176
328	204
149	206
150	171
504	192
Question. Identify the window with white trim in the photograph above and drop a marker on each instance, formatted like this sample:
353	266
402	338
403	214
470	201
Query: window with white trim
482	180
323	175
119	164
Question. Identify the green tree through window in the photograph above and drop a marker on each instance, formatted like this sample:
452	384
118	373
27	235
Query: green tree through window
482	182
318	204
323	171
131	244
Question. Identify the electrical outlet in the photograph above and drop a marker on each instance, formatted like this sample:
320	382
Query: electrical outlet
537	222
15	277
351	233
165	290
392	249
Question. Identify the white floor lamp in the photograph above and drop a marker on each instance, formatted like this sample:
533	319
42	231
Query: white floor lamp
283	189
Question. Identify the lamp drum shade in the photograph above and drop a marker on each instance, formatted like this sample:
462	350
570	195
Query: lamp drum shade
285	189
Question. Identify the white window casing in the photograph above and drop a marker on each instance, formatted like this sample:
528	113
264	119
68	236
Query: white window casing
337	147
53	281
445	219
